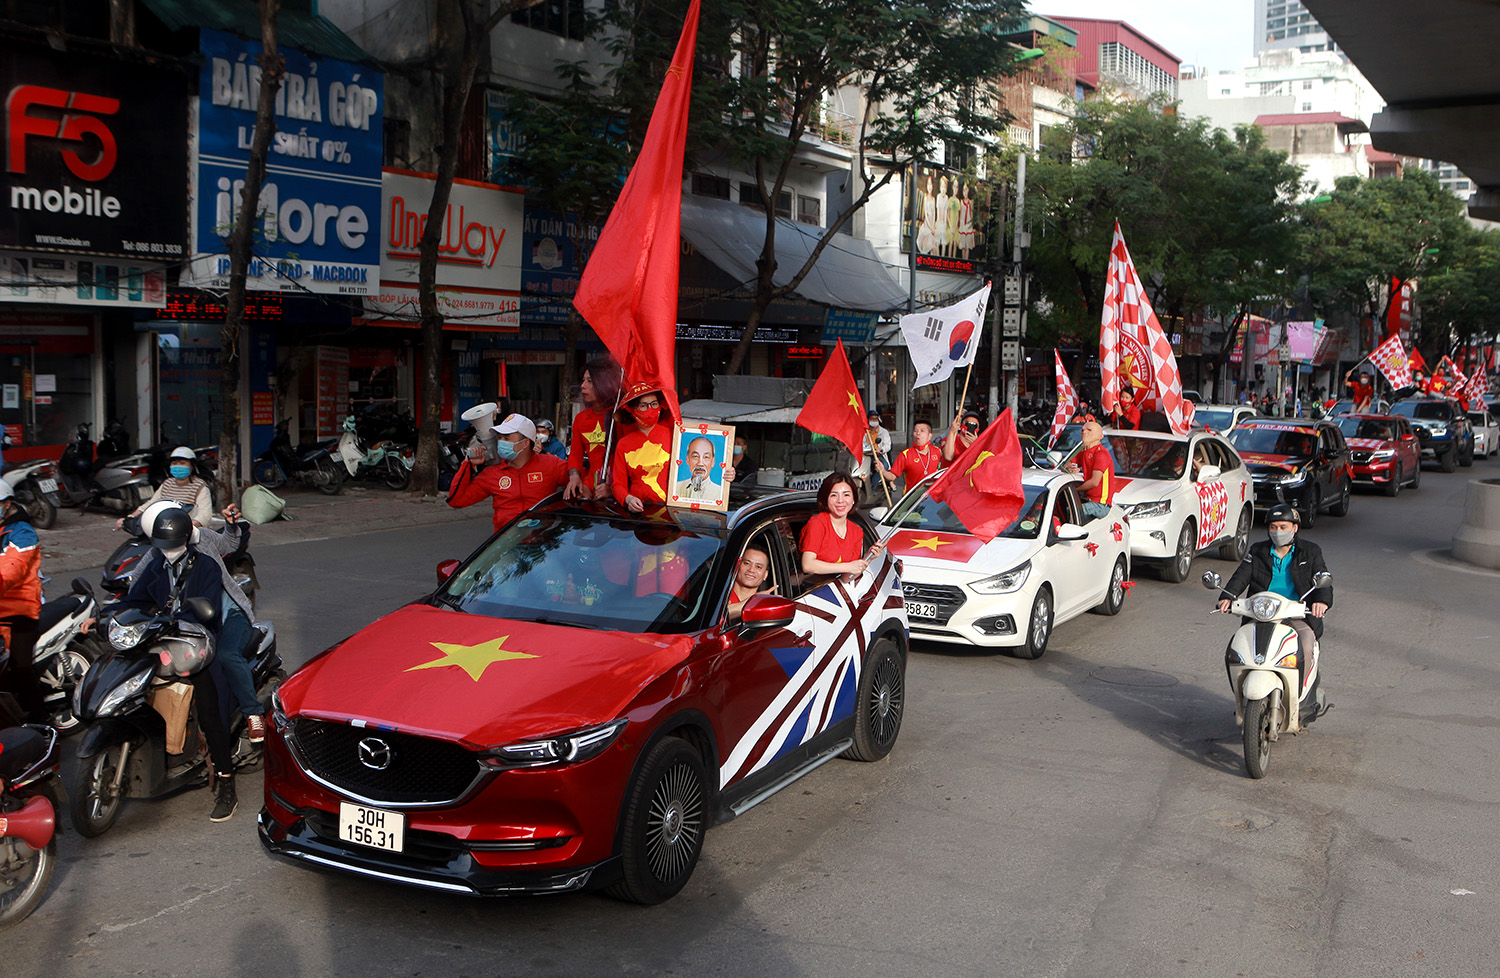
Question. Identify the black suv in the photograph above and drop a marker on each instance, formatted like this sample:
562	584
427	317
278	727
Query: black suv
1442	427
1298	461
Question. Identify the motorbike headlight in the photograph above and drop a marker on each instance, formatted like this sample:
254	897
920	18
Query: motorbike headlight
1288	661
126	636
1146	511
1003	583
1265	607
123	692
565	748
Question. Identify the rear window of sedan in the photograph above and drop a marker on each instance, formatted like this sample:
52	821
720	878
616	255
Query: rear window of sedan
1147	458
591	572
1216	418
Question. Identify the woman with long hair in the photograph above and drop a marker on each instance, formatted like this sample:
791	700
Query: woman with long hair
600	392
831	543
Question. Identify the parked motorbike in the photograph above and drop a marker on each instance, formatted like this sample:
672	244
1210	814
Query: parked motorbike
1271	685
35	487
63	653
123	753
29	803
385	461
125	563
281	463
82	482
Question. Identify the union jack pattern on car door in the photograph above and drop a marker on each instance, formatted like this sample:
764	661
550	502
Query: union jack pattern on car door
822	671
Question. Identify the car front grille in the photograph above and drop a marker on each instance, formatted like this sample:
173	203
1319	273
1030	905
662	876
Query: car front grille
416	771
1360	458
947	598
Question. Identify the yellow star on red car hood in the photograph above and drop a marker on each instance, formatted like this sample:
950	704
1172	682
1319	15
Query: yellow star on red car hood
473	659
929	543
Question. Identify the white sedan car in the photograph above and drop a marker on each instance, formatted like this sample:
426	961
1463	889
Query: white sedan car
1050	565
1184	494
1486	433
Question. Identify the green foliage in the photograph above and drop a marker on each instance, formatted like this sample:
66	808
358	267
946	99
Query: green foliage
1460	300
1207	215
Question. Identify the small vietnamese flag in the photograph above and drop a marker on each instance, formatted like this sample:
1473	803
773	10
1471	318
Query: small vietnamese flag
834	407
983	485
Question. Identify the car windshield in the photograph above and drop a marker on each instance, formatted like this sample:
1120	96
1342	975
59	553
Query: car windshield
1068	439
1147	458
1217	418
1479	417
1428	410
1366	428
919	512
1274	441
576	569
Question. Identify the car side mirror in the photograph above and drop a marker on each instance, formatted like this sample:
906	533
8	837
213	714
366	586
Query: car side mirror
1207	472
1070	532
445	569
202	609
1212	581
878	513
767	611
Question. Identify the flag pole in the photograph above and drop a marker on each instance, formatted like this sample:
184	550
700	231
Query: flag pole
874	462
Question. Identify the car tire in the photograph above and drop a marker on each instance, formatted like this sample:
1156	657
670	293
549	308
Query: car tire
881	702
1038	627
1114	598
1416	477
1448	461
1180	565
1312	505
666	813
1393	488
1237	546
1341	508
1466	458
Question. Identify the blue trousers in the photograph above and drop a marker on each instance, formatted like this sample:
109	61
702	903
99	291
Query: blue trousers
234	657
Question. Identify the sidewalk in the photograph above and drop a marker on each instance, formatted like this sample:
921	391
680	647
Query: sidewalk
84	541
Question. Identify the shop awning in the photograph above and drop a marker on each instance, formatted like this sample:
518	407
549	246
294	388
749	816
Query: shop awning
726	412
297	29
848	274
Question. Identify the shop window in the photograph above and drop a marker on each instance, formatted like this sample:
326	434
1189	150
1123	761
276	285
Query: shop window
565	18
47	378
187	363
708	185
750	196
810	210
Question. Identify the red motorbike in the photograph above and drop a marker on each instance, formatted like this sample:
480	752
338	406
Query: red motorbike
29	765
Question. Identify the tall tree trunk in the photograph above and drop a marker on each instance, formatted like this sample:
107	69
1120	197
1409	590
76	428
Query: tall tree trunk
241	240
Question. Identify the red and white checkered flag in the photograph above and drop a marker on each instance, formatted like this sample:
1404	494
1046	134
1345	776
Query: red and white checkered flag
1390	359
1133	349
1478	387
1067	401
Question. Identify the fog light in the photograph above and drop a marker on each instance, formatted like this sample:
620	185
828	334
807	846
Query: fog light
996	625
1159	536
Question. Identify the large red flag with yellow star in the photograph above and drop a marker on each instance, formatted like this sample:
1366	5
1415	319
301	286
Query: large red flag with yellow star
834	408
983	485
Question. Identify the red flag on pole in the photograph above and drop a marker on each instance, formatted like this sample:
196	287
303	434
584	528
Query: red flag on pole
1133	349
834	408
1418	362
628	292
983	485
1067	401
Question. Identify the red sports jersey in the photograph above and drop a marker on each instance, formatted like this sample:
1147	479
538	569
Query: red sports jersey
821	540
513	490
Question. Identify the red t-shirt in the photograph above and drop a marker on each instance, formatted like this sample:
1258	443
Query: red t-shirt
1132	415
1097	459
641	463
916	464
589	435
514	490
820	540
1361	393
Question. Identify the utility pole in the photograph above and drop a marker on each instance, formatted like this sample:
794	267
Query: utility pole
1013	321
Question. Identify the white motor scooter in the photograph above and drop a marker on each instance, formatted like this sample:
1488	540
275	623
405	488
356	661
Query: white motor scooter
1270	684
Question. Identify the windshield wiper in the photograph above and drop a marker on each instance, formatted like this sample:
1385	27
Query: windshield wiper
543	620
449	601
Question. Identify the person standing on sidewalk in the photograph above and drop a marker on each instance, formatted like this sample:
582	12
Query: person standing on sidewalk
20	600
522	478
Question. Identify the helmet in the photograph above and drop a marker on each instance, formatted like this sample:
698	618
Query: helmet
182	451
171	529
1283	513
6	491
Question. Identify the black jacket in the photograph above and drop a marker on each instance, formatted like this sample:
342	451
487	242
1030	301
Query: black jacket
1254	572
153	587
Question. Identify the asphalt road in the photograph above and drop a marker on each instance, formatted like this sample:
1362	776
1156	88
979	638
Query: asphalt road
1085	815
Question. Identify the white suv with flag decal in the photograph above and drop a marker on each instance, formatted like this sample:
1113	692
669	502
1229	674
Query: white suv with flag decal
1184	494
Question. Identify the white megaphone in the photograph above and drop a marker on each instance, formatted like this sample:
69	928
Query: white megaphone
483	418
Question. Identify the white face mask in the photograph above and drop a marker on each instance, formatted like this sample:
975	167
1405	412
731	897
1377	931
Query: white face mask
174	555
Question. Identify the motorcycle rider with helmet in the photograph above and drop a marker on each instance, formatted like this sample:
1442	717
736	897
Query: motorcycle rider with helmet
1286	565
20	599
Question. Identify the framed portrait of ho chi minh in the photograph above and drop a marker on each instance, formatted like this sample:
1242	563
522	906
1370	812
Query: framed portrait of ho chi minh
700	457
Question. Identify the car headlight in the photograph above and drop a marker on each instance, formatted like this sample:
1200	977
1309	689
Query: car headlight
123	692
1003	583
1146	511
1265	607
1294	478
562	749
278	712
1383	453
126	636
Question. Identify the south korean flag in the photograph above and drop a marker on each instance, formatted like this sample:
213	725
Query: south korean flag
942	340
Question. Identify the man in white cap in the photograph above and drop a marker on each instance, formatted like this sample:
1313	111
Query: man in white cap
523	477
181	486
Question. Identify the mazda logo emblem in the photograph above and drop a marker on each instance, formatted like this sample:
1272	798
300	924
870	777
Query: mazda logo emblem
375	754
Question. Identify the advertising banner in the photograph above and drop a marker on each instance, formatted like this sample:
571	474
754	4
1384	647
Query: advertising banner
71	280
550	268
95	155
949	212
479	253
318	228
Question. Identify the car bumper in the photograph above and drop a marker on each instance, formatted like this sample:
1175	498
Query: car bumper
1268	494
520	831
1154	539
1375	473
967	618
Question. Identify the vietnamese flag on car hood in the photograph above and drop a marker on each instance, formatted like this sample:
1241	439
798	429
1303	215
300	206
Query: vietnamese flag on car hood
983	485
479	680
